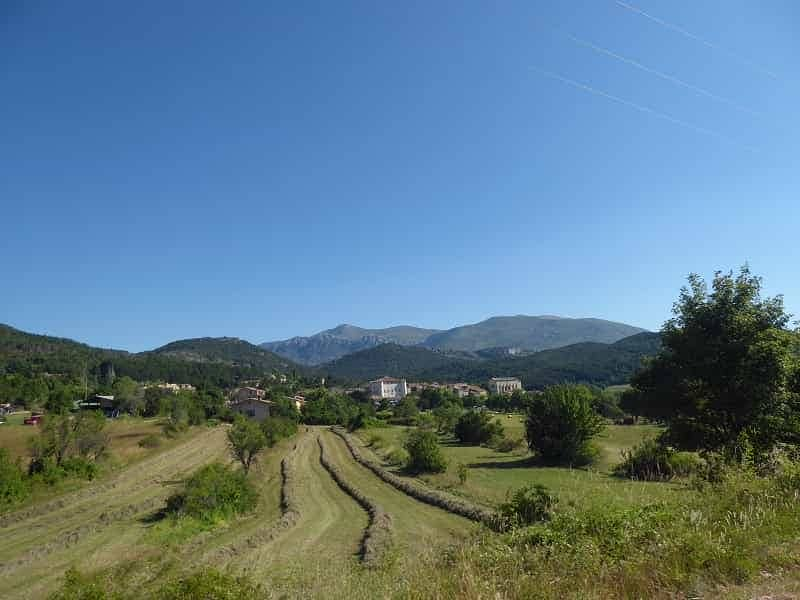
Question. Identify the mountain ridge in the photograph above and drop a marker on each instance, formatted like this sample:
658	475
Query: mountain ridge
529	333
594	363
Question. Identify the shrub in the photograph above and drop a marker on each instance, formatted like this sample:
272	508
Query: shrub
46	470
474	427
463	473
277	428
79	467
211	583
397	457
652	460
506	444
214	491
561	423
424	453
13	485
150	441
529	504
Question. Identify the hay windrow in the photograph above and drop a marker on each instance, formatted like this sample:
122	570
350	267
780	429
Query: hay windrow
378	536
429	496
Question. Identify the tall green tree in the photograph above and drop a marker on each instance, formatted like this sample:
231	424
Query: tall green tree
726	378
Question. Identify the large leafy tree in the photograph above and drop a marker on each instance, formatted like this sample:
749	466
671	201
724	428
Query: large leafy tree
561	422
726	378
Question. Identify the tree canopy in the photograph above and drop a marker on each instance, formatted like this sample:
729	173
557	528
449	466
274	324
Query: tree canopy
727	377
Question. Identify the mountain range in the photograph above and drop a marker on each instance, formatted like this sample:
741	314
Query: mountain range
540	350
593	363
516	333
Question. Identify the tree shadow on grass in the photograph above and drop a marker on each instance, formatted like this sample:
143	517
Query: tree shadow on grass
526	462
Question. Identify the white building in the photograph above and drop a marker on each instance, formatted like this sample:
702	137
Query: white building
504	385
389	388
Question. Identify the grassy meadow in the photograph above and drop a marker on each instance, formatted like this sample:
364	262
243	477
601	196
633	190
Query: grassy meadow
493	474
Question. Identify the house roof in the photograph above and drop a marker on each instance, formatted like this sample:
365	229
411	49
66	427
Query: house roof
387	380
504	379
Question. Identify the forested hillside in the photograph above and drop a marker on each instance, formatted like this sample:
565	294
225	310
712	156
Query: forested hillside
219	362
595	363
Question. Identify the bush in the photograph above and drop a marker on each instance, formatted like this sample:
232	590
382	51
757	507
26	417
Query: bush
651	460
397	457
561	423
277	428
210	583
529	504
13	485
213	492
79	467
150	441
474	427
506	444
45	469
424	453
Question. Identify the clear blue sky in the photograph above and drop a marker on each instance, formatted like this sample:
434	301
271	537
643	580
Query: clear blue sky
262	170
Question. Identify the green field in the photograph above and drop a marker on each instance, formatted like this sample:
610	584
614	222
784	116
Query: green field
108	527
493	474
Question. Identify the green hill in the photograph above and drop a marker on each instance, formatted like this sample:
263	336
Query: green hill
227	350
588	362
217	361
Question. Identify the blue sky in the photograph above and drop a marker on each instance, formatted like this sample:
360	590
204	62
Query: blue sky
262	170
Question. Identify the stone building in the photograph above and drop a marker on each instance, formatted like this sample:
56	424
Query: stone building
504	385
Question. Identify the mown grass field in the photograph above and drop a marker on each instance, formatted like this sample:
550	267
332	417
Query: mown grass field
109	526
492	474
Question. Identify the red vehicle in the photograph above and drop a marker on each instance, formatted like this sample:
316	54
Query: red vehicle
33	420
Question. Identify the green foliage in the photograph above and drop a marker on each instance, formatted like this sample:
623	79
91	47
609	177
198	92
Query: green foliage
14	487
397	457
652	460
424	453
506	443
447	415
529	504
277	428
477	427
77	586
246	439
561	423
208	584
726	378
463	473
212	493
406	408
324	407
284	407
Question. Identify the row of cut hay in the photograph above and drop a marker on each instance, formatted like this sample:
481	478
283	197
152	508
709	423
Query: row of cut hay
147	469
378	534
289	517
74	536
427	495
